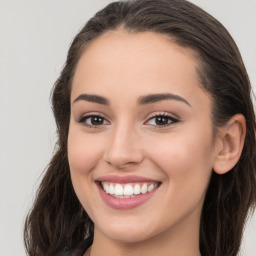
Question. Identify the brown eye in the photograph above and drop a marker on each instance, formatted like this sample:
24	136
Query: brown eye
161	121
93	120
97	120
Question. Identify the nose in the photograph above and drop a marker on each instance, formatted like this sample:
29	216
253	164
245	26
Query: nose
123	148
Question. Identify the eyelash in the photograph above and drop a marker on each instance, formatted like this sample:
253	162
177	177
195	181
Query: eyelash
171	120
83	119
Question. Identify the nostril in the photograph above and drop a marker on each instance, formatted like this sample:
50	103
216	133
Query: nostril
123	148
123	159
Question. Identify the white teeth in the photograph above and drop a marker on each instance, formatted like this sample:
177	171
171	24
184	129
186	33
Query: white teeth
111	189
136	189
127	190
119	191
144	188
151	187
106	187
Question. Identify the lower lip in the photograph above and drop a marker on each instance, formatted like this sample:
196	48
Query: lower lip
125	203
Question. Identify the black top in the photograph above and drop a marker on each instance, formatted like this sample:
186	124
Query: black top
80	250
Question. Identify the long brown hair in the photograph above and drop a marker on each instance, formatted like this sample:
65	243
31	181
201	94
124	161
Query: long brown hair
57	220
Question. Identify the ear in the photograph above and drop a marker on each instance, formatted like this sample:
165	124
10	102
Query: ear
230	144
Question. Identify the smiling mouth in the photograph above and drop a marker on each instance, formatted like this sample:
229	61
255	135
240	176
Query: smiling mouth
128	190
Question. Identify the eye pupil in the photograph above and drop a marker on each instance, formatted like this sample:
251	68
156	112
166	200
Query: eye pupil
161	120
97	120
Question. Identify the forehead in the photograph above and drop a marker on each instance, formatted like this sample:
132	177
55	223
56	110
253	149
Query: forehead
124	63
119	48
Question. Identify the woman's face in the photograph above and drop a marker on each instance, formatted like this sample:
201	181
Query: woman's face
141	145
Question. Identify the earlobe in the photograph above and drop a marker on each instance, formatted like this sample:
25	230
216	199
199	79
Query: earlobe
231	142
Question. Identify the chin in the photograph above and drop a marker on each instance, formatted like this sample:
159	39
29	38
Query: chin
128	230
128	236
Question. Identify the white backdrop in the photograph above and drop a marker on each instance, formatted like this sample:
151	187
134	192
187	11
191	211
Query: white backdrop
34	39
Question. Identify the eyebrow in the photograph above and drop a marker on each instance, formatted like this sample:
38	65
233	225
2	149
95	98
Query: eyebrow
92	98
152	98
143	100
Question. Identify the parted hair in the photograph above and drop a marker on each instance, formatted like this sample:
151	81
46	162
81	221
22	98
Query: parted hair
58	222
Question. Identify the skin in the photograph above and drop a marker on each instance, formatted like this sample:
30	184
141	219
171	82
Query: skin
122	67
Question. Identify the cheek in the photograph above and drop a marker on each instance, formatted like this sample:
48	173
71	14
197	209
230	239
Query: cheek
83	155
186	162
83	152
185	156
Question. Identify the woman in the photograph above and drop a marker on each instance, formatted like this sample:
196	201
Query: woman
156	146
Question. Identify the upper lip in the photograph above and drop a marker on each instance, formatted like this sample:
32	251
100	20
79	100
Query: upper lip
124	179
